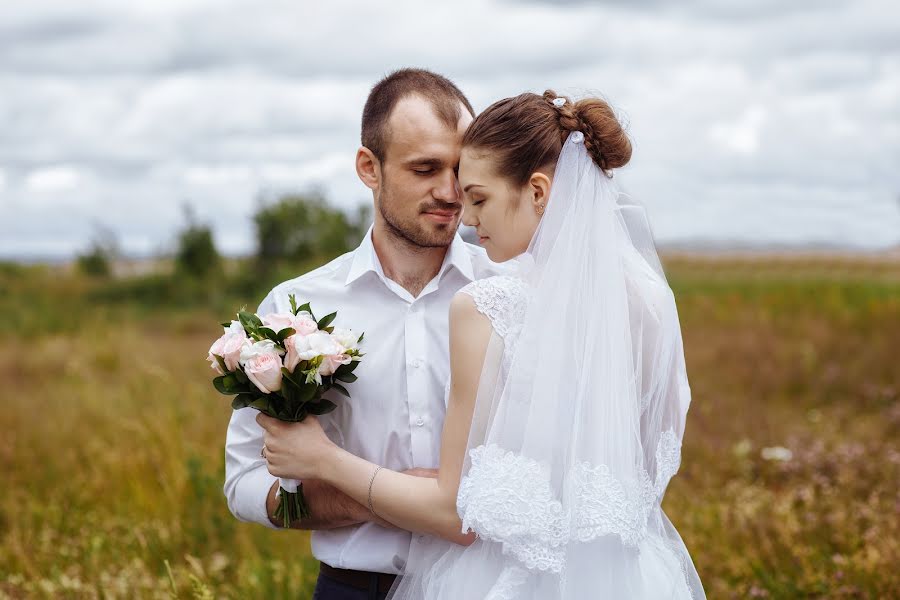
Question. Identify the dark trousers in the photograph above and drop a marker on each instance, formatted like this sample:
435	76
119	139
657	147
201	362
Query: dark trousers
331	589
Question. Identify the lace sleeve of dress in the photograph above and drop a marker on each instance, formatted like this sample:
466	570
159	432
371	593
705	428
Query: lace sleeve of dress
500	299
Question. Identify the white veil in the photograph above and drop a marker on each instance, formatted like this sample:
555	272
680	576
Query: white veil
578	421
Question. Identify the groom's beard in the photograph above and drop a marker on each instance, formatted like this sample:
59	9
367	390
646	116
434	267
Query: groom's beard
414	227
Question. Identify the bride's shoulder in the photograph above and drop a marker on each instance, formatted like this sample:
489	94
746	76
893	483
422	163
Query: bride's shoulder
500	298
503	287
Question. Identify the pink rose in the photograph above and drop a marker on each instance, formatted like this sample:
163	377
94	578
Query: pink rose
228	347
292	358
278	321
331	363
302	323
262	364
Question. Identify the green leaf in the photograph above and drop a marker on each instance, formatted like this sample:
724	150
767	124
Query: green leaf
341	370
306	308
298	415
321	407
326	320
308	392
290	392
290	377
347	377
240	376
285	334
231	383
293	300
219	384
361	336
341	389
268	333
221	362
261	404
241	401
250	321
226	324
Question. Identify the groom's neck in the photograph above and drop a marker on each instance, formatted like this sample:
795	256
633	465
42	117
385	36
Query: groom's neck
409	265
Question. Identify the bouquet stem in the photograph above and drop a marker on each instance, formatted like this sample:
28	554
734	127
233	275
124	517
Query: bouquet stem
291	503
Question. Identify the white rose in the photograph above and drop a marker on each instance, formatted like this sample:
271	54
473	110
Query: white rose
346	338
258	348
316	344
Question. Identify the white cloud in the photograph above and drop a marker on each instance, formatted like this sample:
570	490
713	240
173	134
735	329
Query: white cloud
768	122
741	135
59	178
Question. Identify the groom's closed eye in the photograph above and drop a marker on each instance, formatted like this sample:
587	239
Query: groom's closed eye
427	166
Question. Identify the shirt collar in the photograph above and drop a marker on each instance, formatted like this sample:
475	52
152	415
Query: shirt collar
365	259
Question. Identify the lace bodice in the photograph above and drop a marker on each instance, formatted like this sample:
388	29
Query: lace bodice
502	299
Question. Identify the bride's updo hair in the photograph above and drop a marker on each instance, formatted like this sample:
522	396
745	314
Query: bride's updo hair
525	134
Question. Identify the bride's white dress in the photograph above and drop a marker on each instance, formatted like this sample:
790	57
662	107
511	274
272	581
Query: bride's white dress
578	419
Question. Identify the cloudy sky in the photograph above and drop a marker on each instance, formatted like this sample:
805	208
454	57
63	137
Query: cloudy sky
756	122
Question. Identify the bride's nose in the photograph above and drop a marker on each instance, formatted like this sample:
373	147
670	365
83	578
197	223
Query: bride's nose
468	217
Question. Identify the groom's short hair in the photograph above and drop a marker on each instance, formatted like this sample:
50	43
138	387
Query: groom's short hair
443	94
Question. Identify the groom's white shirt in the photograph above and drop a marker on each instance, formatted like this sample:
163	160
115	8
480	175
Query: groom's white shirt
396	412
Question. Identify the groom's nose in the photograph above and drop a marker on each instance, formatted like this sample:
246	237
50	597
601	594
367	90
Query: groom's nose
447	188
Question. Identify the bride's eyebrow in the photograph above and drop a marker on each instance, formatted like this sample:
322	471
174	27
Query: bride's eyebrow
470	186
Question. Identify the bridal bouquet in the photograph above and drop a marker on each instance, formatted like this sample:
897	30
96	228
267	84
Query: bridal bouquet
282	365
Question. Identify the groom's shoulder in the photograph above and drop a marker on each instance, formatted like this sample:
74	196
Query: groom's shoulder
321	280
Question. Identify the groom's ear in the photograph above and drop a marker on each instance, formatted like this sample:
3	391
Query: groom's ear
368	168
539	186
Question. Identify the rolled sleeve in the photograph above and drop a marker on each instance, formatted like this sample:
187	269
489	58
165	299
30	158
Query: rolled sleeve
247	480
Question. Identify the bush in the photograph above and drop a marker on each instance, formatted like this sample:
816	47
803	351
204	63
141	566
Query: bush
196	254
298	227
98	259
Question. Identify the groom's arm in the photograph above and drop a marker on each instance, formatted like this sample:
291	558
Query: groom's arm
250	488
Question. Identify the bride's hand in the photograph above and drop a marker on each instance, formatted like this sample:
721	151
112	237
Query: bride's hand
295	450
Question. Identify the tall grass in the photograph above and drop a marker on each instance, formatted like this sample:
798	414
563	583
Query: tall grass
112	444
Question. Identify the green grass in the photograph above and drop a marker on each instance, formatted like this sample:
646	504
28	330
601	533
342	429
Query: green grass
112	450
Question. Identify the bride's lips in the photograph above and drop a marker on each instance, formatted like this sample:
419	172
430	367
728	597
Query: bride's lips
442	216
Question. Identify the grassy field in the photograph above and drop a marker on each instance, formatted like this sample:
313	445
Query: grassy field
112	445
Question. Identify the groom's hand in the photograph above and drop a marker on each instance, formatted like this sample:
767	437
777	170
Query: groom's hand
330	508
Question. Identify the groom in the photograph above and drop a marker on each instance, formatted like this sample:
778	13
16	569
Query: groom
396	287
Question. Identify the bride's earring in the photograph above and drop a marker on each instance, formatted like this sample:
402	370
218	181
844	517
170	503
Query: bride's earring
540	209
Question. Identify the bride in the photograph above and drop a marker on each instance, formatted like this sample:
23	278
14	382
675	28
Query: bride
568	393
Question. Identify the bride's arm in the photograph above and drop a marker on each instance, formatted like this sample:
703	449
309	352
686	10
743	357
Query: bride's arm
413	503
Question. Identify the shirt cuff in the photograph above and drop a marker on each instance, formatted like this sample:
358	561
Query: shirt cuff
252	506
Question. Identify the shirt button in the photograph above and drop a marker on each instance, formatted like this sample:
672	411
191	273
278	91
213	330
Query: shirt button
416	363
420	422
